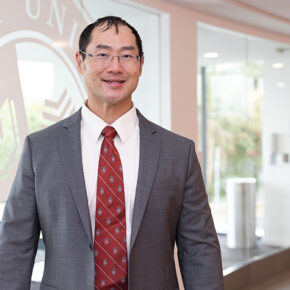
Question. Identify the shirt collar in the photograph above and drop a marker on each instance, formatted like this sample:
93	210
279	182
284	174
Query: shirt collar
94	125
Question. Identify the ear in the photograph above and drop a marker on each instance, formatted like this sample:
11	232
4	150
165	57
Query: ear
79	60
141	65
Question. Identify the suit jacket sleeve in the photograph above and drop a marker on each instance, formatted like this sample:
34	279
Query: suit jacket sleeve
19	230
198	246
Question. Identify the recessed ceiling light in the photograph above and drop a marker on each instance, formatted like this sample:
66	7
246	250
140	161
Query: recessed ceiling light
211	54
281	85
278	65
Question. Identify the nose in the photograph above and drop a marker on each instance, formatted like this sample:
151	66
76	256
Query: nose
115	65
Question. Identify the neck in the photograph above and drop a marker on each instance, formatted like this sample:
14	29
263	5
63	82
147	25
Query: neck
109	113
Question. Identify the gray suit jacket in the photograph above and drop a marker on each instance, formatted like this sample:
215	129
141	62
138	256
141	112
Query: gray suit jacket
49	194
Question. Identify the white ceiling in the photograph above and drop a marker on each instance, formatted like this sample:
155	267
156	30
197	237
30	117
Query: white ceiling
237	47
272	15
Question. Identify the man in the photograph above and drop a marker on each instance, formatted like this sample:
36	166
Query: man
110	191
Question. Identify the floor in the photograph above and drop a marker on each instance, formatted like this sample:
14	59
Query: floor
280	282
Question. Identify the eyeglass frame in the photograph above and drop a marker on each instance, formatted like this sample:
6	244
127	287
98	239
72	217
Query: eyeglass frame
138	57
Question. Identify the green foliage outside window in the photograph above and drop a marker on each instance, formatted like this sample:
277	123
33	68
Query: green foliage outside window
234	122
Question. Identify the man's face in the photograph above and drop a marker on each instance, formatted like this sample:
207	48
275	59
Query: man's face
114	83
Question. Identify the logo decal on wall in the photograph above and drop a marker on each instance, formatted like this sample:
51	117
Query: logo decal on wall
39	83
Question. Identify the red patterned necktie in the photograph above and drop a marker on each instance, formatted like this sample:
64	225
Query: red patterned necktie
111	266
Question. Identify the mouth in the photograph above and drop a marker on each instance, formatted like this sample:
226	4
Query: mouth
114	82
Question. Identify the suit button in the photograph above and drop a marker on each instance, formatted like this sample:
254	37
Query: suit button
91	247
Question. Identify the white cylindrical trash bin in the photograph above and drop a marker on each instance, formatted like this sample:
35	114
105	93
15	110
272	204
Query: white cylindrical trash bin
241	209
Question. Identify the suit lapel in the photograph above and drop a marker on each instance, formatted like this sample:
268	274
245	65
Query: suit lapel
70	143
149	156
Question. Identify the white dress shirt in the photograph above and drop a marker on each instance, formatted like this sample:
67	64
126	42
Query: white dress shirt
127	143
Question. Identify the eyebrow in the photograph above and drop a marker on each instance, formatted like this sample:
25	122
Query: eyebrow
130	47
103	46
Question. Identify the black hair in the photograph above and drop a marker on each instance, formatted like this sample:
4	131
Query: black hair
108	21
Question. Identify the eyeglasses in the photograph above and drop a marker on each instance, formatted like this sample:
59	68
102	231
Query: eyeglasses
104	59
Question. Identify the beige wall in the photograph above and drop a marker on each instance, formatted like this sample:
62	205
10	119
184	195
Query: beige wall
183	67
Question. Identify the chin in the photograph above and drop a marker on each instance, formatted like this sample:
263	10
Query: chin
114	100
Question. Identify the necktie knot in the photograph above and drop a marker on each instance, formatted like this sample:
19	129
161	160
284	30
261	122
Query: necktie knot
109	132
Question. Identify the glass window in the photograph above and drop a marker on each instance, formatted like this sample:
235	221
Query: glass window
245	79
